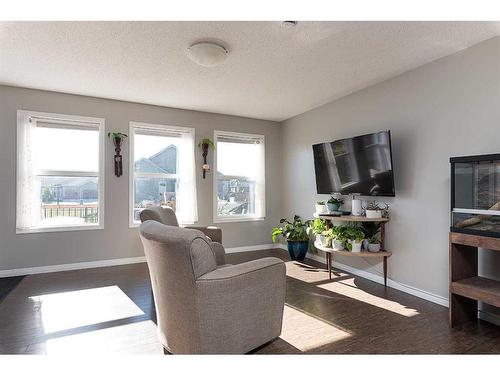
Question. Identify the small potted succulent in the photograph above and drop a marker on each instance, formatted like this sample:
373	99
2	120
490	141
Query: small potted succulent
375	211
355	237
319	228
334	204
321	207
374	245
296	234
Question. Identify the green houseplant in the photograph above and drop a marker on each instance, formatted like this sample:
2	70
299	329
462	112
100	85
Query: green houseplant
374	244
296	234
334	204
354	236
337	234
318	227
205	144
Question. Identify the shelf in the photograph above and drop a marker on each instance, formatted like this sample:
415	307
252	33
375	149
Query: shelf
362	254
475	241
478	288
350	218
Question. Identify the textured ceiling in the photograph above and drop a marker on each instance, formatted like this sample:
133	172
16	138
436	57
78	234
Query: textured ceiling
271	72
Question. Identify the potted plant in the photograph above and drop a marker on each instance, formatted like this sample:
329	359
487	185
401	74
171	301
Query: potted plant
374	245
375	211
334	204
371	229
118	139
354	236
321	207
205	144
296	235
337	234
319	228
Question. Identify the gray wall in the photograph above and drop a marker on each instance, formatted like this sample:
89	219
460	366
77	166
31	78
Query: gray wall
117	240
447	108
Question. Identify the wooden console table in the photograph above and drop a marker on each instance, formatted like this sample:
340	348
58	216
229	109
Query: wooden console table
466	286
384	254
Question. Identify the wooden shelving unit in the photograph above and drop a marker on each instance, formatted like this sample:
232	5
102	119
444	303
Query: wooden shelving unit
330	252
466	286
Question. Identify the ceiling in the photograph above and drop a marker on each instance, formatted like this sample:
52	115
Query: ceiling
271	73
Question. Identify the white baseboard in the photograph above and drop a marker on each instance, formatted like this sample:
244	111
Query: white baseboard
71	266
241	249
443	301
109	262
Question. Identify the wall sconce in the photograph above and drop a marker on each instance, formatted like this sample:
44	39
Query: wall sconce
117	141
205	144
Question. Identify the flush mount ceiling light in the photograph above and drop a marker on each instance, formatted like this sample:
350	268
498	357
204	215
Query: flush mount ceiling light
207	54
288	24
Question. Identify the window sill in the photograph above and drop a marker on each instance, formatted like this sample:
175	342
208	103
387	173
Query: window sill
59	229
240	219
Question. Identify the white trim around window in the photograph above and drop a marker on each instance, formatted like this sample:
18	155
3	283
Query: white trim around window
258	179
186	198
26	173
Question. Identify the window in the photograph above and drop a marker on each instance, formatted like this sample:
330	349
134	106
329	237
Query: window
60	172
163	170
239	182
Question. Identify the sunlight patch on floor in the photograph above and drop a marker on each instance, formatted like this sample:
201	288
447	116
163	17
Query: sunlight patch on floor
306	332
349	289
134	338
62	311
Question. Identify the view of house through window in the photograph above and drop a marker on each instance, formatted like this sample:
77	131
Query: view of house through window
163	170
239	182
59	172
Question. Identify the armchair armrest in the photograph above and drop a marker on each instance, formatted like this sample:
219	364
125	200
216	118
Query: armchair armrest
243	303
214	233
245	270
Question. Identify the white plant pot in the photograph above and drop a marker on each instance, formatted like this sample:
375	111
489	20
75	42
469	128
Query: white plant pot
323	240
374	247
373	214
321	209
356	246
337	245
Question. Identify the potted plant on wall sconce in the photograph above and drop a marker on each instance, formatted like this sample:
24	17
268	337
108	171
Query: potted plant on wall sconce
205	144
118	138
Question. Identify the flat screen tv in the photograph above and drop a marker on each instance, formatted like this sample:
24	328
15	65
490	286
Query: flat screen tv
359	165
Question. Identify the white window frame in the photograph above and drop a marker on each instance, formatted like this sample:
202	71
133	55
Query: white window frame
236	218
24	116
134	125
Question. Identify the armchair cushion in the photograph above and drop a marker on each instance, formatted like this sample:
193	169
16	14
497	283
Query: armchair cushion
202	256
220	253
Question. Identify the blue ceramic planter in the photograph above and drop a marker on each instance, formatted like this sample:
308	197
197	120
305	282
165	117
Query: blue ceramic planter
298	249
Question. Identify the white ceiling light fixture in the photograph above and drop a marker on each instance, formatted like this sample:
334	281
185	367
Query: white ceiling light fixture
207	54
288	24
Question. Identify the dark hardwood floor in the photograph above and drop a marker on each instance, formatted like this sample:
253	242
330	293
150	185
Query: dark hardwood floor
110	310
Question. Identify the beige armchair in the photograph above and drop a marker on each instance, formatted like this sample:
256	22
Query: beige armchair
203	308
166	215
